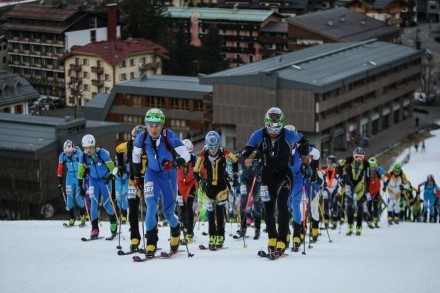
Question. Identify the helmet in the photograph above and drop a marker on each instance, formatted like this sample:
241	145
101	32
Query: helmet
373	162
136	130
331	159
88	140
430	177
68	147
274	120
212	140
188	144
358	154
154	115
397	168
290	127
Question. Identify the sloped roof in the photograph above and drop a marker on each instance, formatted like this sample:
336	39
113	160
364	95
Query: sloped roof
275	27
113	52
319	68
237	15
343	24
15	89
40	12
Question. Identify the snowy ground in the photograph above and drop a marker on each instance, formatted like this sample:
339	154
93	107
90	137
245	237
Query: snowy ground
42	256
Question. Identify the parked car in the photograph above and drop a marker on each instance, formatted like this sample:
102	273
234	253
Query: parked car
48	103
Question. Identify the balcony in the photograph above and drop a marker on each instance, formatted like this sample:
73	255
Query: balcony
74	79
97	83
97	69
75	67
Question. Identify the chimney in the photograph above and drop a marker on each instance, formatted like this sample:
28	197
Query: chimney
112	20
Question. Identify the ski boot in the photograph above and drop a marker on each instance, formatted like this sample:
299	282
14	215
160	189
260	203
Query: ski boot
396	220
83	220
358	231
219	241
350	230
257	234
134	245
370	225
175	239
280	249
114	228
240	233
94	233
189	238
71	222
271	246
152	239
124	216
212	241
296	244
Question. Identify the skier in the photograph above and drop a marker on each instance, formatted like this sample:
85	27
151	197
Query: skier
70	158
331	192
395	184
306	185
273	144
187	187
429	187
373	196
213	159
101	167
164	151
356	178
250	181
121	190
133	195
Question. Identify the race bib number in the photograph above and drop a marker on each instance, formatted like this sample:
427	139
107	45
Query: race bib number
149	189
91	191
118	195
264	191
68	189
348	190
209	207
131	193
243	189
180	200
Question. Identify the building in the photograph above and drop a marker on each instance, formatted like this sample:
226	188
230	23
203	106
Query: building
185	102
239	29
337	25
336	94
96	67
15	93
3	50
29	150
38	35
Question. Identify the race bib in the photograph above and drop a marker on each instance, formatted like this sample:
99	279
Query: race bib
68	189
264	191
180	200
243	190
118	195
91	191
149	189
131	193
325	194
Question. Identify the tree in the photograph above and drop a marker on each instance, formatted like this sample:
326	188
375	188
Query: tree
211	59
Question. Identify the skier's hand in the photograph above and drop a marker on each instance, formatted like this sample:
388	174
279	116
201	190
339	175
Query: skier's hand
81	191
120	171
167	165
60	186
137	182
180	162
235	180
368	196
60	180
401	187
179	200
109	178
306	171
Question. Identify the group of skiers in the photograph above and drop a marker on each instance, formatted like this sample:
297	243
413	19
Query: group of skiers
281	181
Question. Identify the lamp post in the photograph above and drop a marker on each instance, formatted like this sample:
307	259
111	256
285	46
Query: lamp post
76	95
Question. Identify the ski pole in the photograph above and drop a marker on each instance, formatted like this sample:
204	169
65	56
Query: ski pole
120	216
175	197
326	228
63	194
304	215
245	209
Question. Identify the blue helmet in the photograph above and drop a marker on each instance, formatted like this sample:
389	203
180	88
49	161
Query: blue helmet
212	140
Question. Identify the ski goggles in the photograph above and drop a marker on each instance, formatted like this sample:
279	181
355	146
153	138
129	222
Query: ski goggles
358	157
274	127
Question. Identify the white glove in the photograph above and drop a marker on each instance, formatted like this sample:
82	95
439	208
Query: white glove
180	200
368	195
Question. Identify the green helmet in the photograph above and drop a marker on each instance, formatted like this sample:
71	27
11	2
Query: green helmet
154	115
373	162
397	168
274	120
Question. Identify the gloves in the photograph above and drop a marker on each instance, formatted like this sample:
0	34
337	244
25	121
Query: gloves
180	162
60	180
179	200
167	165
401	187
203	184
120	171
138	183
109	178
341	182
384	188
81	191
235	180
306	171
256	167
368	195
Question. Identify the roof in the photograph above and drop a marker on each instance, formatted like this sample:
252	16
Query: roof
320	68
275	27
113	52
40	12
157	85
38	135
15	89
343	24
233	14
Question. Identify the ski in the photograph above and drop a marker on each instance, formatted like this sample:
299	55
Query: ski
203	247
164	255
112	237
240	237
141	251
137	258
263	253
65	225
90	239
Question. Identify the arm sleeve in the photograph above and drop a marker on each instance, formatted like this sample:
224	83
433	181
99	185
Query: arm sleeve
60	169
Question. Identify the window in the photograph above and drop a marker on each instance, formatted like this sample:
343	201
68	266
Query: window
86	62
132	63
122	77
92	36
107	77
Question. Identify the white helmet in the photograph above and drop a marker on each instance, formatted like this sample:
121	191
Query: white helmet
290	127
68	147
88	140
188	144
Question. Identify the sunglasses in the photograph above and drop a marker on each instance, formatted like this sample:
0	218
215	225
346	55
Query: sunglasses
358	157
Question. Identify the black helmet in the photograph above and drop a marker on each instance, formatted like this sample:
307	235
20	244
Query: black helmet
331	159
